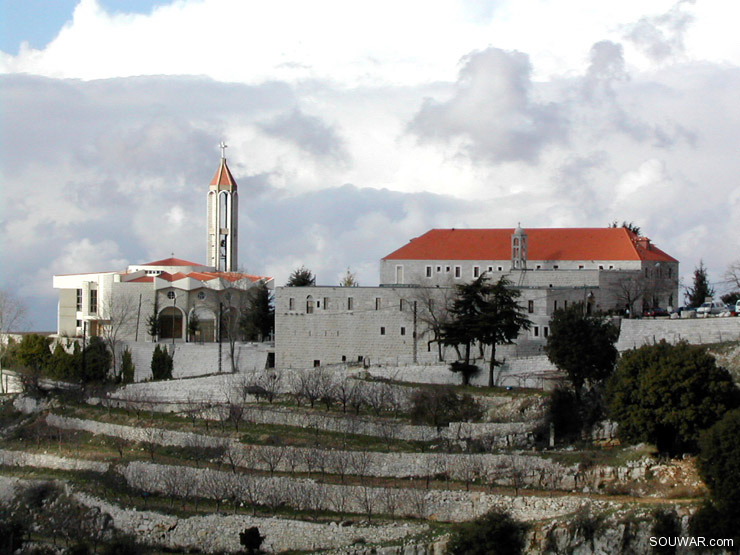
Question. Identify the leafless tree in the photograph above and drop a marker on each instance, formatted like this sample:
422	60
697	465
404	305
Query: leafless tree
365	498
339	462
388	430
119	313
215	485
271	456
377	397
12	318
467	468
274	494
391	500
339	499
433	313
152	438
239	456
357	396
416	500
270	380
309	460
732	274
360	462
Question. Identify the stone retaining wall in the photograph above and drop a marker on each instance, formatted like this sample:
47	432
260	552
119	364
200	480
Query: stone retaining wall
310	495
43	460
510	469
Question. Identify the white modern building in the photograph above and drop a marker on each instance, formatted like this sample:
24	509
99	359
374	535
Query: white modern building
179	292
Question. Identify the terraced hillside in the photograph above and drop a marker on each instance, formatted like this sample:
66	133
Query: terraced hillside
188	465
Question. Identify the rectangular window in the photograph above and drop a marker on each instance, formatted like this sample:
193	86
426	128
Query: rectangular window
500	269
490	268
458	271
350	303
530	307
399	273
382	330
565	304
538	267
326	303
377	303
79	300
93	301
611	266
318	304
439	269
580	266
555	267
536	331
601	267
476	271
545	331
78	323
555	305
402	305
291	303
403	330
428	271
447	269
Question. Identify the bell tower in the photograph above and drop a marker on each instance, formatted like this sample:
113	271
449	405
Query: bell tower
223	219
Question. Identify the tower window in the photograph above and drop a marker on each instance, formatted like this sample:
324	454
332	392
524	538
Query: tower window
350	303
530	307
377	303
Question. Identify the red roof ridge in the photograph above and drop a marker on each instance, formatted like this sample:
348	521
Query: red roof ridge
170	262
223	177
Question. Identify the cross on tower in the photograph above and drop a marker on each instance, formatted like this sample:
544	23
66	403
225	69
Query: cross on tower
222	145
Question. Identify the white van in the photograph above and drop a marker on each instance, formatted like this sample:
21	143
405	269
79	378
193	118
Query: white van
712	307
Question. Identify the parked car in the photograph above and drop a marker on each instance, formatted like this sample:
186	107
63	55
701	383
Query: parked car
655	312
712	307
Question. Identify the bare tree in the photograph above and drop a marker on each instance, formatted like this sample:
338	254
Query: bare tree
270	380
416	500
119	313
12	318
339	462
732	274
216	486
339	499
433	313
152	438
377	397
391	500
467	468
271	456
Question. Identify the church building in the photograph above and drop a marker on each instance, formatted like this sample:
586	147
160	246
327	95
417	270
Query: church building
192	301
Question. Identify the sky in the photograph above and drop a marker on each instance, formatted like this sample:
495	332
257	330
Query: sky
353	127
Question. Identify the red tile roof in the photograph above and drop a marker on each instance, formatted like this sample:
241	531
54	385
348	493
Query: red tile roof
543	244
170	262
223	178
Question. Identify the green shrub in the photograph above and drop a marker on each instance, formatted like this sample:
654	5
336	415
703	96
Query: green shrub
668	394
441	405
162	364
127	367
494	533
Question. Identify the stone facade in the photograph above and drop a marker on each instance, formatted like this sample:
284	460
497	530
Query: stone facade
318	326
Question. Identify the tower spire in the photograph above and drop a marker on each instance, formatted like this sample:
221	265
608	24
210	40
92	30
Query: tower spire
223	218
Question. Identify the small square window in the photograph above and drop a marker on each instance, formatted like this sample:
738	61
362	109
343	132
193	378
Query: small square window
555	267
500	269
447	269
439	269
490	268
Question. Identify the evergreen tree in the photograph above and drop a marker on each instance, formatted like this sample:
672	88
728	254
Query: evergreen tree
701	289
485	313
32	352
127	367
153	324
301	277
162	364
582	346
258	319
668	394
96	362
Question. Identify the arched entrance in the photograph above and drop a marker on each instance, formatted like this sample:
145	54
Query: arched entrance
170	323
202	325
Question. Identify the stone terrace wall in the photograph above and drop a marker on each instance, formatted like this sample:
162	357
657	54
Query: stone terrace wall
307	494
197	359
506	469
699	331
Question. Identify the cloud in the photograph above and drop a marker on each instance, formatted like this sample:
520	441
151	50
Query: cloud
307	132
662	37
492	111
